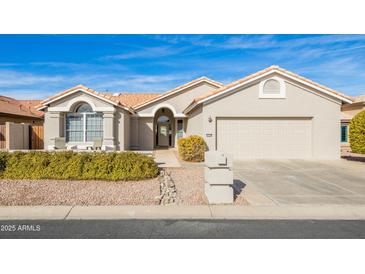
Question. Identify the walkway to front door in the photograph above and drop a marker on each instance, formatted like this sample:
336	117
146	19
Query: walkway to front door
166	158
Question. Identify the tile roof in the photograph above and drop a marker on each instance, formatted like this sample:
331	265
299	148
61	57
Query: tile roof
360	98
20	107
193	82
129	100
107	96
32	104
261	72
133	99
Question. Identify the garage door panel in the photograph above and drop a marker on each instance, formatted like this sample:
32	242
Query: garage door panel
288	138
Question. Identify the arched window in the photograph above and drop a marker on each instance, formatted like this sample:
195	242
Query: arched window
84	107
84	125
272	88
163	119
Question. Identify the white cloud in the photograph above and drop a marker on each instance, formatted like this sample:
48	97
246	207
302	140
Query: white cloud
10	78
142	83
147	52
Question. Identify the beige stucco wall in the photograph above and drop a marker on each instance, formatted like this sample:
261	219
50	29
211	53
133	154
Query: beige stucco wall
121	127
180	100
126	130
194	124
176	103
145	133
298	103
53	127
352	110
116	120
133	132
79	97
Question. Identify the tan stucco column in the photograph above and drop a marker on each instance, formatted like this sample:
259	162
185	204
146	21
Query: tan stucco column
134	134
108	139
53	127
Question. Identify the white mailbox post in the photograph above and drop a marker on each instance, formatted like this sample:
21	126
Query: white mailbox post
218	177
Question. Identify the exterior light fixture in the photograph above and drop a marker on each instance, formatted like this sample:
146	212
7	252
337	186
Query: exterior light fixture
210	119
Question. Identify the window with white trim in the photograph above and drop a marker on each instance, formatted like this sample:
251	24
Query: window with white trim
272	88
84	125
344	133
180	128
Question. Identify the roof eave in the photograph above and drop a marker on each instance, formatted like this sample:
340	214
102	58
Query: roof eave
272	71
45	103
28	116
183	87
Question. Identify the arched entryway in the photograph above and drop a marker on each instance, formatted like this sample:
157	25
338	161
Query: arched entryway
164	128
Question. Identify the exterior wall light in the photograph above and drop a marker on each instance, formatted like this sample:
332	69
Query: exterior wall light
210	119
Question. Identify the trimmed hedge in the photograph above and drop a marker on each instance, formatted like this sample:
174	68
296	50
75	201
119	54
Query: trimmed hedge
192	148
357	133
77	166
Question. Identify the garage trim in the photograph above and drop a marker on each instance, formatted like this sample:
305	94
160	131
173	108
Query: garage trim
266	118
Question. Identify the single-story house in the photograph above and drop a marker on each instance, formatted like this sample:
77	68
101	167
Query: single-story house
20	111
272	113
348	111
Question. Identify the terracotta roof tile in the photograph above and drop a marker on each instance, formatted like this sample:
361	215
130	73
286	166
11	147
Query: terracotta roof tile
20	107
360	98
32	104
261	72
133	99
129	100
107	96
196	81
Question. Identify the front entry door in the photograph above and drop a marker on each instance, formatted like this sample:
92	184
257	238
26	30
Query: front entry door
163	134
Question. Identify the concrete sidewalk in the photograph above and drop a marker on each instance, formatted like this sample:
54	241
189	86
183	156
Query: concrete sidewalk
314	212
166	158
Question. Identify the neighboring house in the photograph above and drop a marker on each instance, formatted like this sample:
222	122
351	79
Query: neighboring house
348	112
20	111
273	113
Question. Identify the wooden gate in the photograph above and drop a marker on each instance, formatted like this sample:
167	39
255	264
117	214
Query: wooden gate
2	137
36	137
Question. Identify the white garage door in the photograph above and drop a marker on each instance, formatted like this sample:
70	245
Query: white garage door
258	138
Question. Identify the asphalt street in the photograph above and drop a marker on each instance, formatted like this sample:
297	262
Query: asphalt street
183	229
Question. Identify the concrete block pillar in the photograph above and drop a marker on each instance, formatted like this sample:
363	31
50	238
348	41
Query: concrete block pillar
108	139
218	177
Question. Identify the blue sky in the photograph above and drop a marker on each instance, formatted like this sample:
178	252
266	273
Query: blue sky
37	66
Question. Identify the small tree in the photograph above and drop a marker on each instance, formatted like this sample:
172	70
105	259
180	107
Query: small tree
357	133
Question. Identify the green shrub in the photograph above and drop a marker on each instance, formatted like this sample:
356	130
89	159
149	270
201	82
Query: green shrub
357	133
3	160
192	148
77	166
137	167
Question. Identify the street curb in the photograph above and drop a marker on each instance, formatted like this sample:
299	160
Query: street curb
140	212
211	212
34	212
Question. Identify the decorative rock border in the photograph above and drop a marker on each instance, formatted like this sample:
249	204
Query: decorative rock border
168	193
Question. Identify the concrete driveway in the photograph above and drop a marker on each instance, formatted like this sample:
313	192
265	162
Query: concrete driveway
299	182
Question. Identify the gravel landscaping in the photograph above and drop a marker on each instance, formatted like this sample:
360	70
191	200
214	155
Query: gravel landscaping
189	183
56	192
